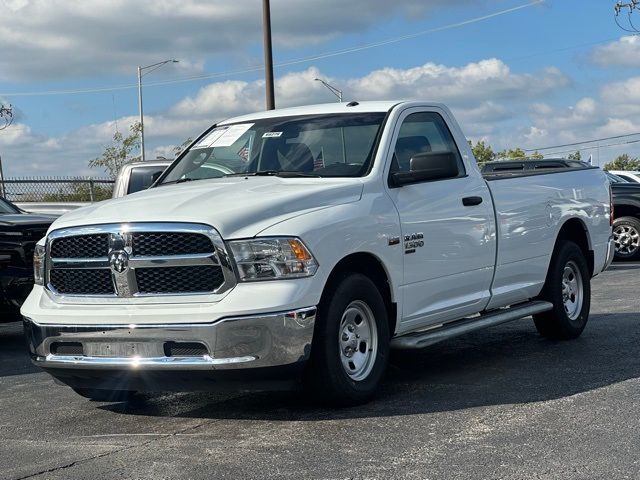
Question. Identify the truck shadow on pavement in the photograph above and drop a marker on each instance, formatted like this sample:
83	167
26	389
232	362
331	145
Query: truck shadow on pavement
503	365
13	351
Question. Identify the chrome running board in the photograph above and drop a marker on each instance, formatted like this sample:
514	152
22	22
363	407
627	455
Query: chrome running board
425	338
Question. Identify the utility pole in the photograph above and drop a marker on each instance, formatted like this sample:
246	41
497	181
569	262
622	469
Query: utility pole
630	6
268	55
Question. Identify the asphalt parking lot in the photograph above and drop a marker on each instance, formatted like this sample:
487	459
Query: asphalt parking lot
503	403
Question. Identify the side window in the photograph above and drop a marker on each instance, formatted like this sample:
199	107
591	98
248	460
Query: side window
425	138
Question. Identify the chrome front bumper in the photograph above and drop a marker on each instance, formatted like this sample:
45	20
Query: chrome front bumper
268	340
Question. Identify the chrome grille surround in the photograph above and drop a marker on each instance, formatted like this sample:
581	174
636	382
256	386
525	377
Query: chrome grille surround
121	261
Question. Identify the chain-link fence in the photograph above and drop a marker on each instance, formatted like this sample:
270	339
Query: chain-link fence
56	189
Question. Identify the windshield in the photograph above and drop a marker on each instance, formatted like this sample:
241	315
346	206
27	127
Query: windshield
311	145
6	207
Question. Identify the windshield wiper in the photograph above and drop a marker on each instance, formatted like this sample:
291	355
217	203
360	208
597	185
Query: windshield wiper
180	180
274	173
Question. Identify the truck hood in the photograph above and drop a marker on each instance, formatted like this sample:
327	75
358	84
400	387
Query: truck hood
238	207
25	220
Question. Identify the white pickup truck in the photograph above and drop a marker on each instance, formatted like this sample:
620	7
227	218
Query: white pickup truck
298	246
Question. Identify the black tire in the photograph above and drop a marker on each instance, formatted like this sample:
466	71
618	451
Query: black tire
626	233
561	323
326	378
98	395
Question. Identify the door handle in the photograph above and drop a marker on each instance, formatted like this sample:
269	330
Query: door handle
471	201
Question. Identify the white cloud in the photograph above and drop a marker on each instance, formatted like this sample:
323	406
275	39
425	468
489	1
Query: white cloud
465	88
489	78
64	39
624	52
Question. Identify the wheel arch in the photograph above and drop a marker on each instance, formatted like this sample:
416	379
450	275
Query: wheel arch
626	210
575	230
372	267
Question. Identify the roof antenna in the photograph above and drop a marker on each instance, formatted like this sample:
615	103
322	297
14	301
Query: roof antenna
352	104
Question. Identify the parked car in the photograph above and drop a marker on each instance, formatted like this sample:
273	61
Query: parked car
344	230
137	176
626	214
19	232
630	176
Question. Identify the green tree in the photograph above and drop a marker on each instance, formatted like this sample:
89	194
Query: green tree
178	149
575	156
512	154
482	151
623	162
119	152
536	155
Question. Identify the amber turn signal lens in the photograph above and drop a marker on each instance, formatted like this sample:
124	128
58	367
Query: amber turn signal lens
299	250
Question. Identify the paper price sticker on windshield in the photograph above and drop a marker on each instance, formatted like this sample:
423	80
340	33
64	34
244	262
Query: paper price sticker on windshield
210	138
231	135
272	134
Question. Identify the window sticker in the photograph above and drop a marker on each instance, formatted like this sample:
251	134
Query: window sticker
210	138
231	135
272	134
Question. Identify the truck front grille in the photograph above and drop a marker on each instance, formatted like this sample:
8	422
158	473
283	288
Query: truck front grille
170	243
68	281
202	278
126	260
81	246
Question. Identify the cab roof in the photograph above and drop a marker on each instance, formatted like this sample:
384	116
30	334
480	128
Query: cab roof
324	108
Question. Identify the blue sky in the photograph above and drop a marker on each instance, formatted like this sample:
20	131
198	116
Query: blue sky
555	71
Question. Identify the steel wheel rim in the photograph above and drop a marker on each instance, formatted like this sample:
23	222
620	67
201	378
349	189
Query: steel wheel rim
358	340
627	239
572	290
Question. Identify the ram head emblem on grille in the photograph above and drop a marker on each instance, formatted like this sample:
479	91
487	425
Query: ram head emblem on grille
119	261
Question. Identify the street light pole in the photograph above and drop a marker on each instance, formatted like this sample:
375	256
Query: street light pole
337	92
268	55
154	66
141	115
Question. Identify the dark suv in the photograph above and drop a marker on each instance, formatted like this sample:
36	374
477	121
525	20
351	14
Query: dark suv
626	214
19	232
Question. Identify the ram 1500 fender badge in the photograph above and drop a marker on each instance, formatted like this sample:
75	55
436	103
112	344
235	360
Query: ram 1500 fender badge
413	241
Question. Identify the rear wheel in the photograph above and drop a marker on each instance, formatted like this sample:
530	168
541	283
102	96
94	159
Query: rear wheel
568	288
626	234
351	342
99	395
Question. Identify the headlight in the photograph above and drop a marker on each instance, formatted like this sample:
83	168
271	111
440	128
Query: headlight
272	258
38	264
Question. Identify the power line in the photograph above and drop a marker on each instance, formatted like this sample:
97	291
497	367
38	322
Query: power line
581	143
321	56
594	147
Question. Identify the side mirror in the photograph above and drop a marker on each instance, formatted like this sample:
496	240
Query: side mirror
427	167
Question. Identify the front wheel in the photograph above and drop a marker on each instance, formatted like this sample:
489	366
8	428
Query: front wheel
568	288
351	342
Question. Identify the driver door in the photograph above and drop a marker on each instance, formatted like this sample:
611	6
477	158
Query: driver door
449	241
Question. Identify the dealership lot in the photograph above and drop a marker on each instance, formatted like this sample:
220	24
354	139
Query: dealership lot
502	403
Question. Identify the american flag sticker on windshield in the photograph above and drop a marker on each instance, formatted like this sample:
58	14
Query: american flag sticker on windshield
245	151
319	160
